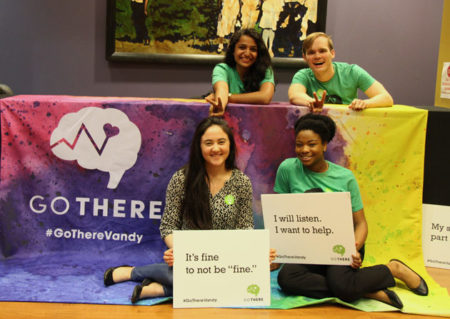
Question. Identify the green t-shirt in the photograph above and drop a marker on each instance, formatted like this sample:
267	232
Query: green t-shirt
223	72
292	177
343	86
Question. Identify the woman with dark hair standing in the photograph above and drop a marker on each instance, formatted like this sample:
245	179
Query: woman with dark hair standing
310	172
207	193
246	76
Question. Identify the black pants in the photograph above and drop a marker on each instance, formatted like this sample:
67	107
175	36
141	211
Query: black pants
138	16
344	282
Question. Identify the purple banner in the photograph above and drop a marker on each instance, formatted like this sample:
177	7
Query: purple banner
83	180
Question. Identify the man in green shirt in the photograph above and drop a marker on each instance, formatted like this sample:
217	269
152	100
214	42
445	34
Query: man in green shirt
326	81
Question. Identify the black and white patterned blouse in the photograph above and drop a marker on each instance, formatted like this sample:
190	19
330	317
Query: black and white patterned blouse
231	207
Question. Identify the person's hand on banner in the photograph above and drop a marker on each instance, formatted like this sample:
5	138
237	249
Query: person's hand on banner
216	106
317	105
358	105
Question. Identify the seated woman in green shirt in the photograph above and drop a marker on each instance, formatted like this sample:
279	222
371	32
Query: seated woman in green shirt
310	172
246	76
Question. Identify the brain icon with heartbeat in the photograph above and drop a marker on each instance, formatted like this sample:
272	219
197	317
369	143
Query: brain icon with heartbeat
103	139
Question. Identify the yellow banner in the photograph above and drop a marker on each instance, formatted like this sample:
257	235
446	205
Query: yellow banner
385	151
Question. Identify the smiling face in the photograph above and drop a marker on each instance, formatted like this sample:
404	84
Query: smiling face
310	150
245	53
320	57
215	147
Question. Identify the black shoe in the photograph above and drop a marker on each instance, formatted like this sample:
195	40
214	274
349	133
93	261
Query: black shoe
393	298
422	289
108	275
136	294
146	282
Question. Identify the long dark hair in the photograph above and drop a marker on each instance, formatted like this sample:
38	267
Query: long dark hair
257	71
196	210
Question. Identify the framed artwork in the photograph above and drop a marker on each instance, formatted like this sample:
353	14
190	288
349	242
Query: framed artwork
197	31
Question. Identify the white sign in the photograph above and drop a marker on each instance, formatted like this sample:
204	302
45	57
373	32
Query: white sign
445	81
435	236
221	268
310	228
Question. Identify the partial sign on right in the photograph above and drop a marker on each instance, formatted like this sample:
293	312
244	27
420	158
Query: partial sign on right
435	236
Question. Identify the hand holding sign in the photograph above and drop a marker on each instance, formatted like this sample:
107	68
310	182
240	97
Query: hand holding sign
356	259
168	257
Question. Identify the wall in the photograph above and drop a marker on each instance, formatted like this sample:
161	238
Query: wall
57	47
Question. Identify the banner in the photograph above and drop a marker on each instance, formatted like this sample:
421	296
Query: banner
83	182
